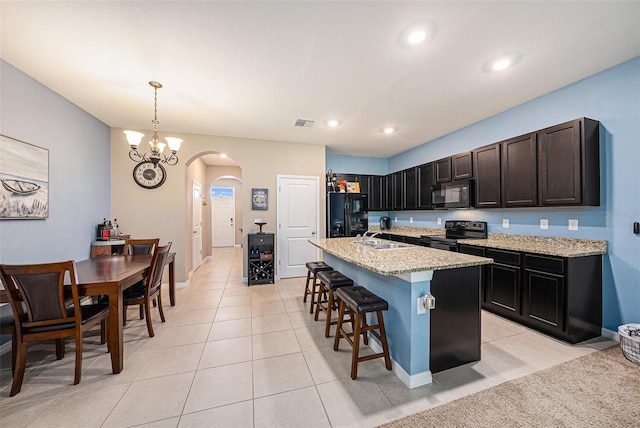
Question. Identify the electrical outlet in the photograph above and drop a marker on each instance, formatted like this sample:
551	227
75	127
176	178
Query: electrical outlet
429	301
573	224
421	309
544	223
410	219
439	220
505	223
395	219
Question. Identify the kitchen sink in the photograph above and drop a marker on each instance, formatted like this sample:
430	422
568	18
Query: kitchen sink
379	244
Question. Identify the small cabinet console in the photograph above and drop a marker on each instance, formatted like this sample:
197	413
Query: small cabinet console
260	253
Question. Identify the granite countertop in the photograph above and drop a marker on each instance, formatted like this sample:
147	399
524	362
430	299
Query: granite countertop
414	232
412	258
549	245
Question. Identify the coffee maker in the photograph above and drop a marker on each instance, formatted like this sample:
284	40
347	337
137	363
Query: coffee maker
385	223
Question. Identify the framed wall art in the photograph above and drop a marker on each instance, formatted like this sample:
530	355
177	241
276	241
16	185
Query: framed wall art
24	180
259	199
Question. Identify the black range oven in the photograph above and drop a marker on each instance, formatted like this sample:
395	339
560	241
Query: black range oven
455	231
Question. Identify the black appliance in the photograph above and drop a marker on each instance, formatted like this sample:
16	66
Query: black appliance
454	194
347	214
455	231
385	223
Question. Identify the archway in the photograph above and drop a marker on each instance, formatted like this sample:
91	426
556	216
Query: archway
211	168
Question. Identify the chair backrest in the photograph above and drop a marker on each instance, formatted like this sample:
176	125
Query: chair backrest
141	246
158	262
36	293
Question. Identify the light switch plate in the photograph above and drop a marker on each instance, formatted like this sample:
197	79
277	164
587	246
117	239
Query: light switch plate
573	224
439	220
505	223
544	223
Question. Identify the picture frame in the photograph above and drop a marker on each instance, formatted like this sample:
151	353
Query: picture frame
259	199
24	180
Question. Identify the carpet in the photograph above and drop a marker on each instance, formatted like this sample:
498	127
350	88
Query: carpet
601	389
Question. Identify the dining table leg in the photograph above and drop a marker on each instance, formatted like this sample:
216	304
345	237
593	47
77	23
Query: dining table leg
115	334
172	284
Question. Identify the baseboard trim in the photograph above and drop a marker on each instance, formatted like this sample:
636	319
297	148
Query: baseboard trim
411	381
610	334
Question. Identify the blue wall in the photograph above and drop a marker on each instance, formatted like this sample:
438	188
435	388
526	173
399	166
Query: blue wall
613	98
79	171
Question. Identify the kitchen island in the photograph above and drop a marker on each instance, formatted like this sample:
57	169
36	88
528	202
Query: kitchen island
420	341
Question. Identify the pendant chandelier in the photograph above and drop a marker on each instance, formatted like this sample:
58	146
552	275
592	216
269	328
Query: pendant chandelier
155	153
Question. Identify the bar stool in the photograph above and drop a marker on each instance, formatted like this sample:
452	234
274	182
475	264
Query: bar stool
329	281
313	269
359	301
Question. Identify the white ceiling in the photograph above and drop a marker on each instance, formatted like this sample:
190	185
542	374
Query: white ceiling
250	69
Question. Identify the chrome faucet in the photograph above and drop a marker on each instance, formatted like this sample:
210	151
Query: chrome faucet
364	236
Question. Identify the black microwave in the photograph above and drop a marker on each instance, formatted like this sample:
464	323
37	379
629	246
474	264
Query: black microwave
454	194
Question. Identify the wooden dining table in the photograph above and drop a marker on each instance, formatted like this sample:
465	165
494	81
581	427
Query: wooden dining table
110	276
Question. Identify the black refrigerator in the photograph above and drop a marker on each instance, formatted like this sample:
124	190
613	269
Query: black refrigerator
347	214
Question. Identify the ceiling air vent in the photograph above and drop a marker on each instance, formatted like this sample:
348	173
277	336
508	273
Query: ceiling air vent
304	123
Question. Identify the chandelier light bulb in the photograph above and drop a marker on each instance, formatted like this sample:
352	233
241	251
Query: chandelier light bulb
133	138
155	153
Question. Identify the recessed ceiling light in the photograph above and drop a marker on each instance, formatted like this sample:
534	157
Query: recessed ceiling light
333	123
389	130
501	64
417	36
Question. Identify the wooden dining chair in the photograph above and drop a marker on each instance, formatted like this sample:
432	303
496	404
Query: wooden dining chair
8	326
37	297
143	294
141	246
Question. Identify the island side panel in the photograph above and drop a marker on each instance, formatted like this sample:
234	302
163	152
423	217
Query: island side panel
455	322
407	332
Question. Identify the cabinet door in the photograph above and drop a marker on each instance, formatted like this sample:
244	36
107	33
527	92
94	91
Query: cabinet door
397	191
560	167
543	302
365	182
503	288
462	165
503	282
519	171
375	189
480	252
388	192
488	183
443	170
426	179
409	187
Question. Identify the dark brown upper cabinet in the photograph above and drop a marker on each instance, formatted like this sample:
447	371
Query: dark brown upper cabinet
569	163
488	179
462	165
410	188
388	192
443	170
520	171
426	179
397	191
374	187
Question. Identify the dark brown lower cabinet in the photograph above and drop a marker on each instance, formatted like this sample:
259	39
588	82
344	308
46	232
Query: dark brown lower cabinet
503	282
559	296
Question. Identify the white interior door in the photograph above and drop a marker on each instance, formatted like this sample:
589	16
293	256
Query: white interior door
298	221
223	215
196	226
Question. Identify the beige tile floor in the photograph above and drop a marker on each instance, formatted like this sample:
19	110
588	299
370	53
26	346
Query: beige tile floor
236	356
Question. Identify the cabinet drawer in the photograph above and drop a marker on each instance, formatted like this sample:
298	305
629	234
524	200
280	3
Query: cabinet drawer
470	249
544	263
502	256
